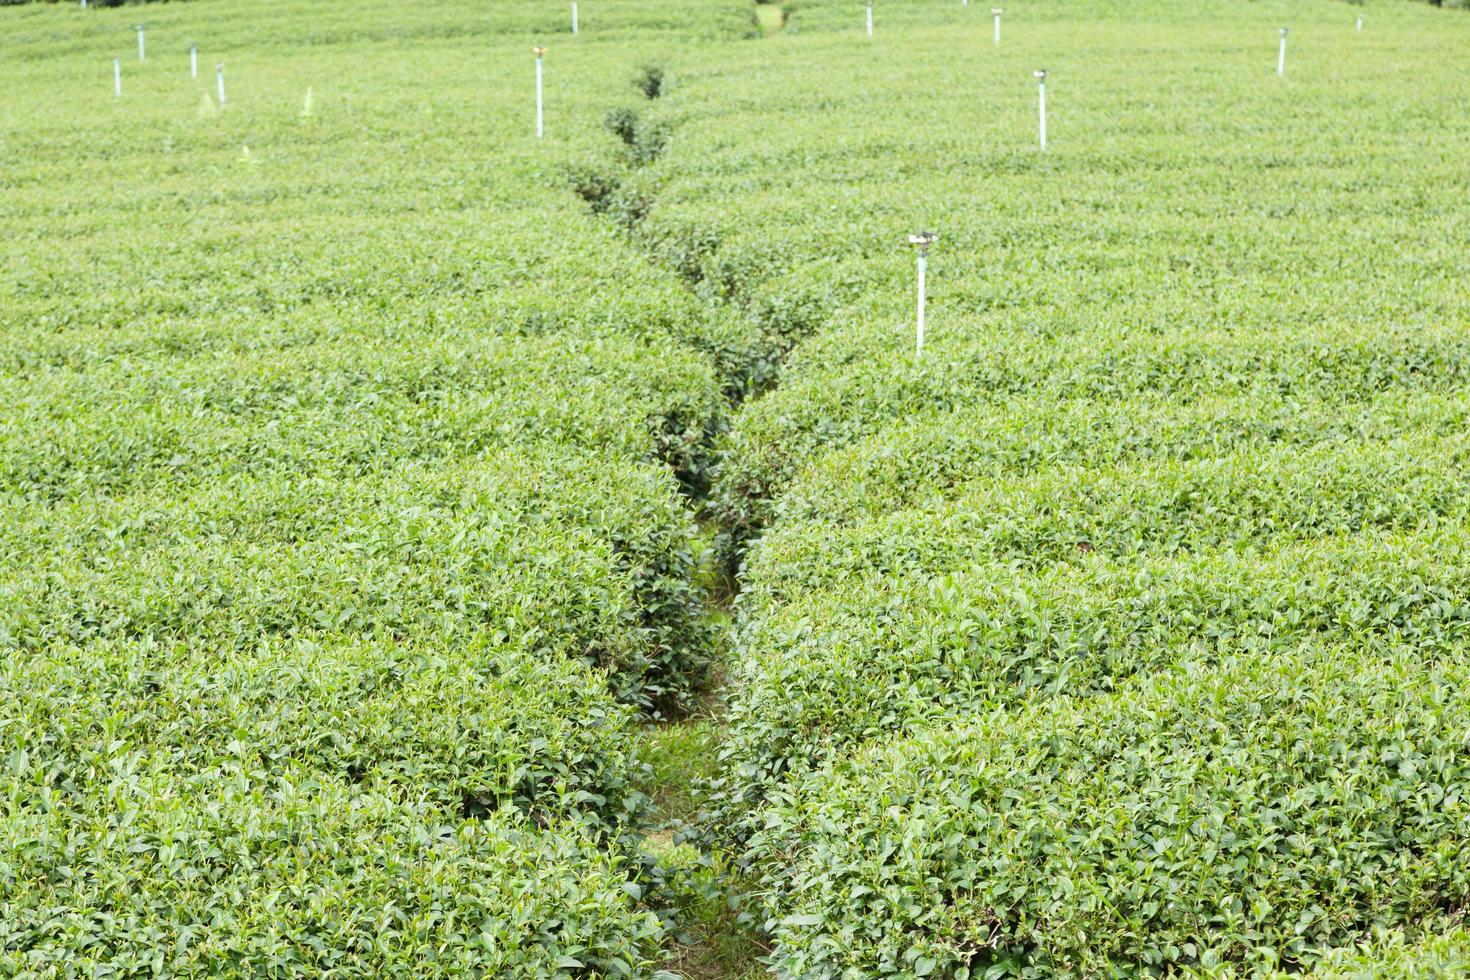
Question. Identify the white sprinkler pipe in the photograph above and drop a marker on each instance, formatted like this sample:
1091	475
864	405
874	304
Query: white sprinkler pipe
1041	92
540	127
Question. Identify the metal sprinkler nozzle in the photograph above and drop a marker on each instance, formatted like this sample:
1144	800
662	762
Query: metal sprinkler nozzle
923	240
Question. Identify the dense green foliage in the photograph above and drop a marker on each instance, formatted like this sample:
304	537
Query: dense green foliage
1248	814
1440	954
343	479
298	877
357	446
1092	640
431	554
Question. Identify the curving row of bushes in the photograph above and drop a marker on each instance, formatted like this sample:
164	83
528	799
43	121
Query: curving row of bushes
575	556
1123	630
1242	815
839	403
300	875
345	537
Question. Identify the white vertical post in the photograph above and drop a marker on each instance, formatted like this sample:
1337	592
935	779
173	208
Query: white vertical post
870	20
574	16
142	55
1281	56
219	82
996	12
923	240
1041	90
84	4
1360	22
923	271
193	61
117	77
540	129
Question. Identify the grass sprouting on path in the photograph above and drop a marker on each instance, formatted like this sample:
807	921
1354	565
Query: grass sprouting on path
770	16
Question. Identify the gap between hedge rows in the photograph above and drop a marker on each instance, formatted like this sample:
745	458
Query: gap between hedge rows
615	191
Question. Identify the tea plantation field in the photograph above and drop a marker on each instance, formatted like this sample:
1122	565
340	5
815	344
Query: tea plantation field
433	550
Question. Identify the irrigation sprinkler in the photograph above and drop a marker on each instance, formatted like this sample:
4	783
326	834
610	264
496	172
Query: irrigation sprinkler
574	16
540	53
995	11
84	4
142	54
870	20
1041	90
117	77
922	240
1281	56
219	82
1360	22
194	60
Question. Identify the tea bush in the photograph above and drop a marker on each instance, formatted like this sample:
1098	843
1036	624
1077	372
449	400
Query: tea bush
519	546
344	476
367	464
1067	578
474	728
1244	814
1440	953
299	875
1180	457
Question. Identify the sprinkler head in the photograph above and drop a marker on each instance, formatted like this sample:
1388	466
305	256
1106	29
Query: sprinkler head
540	52
995	10
923	240
1040	75
1285	31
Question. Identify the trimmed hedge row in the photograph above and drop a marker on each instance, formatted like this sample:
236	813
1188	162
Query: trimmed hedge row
881	656
1040	514
1441	954
475	728
1250	813
341	553
1182	446
909	462
350	409
233	874
835	404
1066	577
563	552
